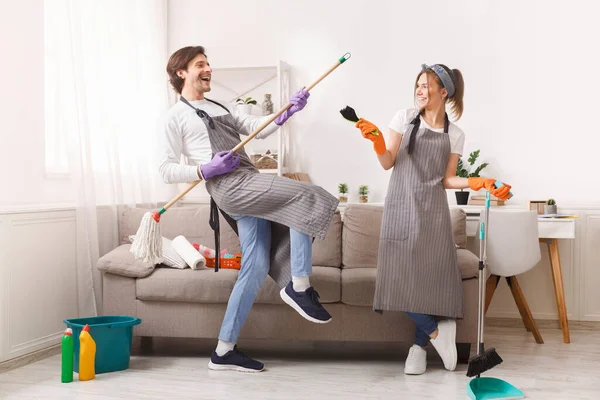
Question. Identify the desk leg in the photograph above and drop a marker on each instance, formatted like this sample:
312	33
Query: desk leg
559	289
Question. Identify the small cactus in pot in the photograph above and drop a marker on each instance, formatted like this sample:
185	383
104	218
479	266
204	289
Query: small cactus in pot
343	192
363	193
550	207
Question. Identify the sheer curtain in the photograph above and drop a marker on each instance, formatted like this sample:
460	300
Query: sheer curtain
105	88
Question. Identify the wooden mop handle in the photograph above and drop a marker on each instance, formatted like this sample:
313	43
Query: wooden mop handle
339	62
179	196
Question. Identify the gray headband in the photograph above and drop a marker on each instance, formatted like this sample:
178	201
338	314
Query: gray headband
443	75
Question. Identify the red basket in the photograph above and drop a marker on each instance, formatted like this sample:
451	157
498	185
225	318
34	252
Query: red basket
226	263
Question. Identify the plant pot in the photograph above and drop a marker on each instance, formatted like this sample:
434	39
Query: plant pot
550	209
462	197
245	108
343	198
363	198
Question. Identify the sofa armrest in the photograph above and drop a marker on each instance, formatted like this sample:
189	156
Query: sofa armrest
118	295
121	261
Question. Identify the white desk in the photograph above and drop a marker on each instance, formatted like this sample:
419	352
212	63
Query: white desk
550	230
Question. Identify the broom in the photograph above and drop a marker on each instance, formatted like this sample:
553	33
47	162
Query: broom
349	114
485	359
147	245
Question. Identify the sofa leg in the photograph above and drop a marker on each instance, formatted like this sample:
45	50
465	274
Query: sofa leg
146	343
464	352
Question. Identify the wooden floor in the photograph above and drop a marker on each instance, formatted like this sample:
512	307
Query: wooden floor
177	368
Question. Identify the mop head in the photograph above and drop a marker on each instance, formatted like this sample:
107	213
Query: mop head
484	362
147	246
349	114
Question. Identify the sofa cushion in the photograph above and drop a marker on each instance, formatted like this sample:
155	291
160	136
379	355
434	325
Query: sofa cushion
360	235
120	261
358	284
459	227
328	252
208	286
362	229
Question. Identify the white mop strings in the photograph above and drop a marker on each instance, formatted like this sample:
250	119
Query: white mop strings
147	245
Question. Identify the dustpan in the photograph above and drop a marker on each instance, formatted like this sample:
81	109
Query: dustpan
486	388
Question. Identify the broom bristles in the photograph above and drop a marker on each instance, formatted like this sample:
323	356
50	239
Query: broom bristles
147	245
484	362
349	114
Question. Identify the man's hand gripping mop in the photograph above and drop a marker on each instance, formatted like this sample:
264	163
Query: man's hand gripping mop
486	388
147	246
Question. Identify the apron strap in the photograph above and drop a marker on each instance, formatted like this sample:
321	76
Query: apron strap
214	223
201	113
219	104
416	123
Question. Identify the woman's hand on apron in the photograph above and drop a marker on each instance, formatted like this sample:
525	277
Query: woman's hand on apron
371	132
298	102
222	163
489	184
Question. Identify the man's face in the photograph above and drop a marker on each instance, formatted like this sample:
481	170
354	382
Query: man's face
198	74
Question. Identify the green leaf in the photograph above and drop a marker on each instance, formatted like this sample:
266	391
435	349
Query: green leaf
478	170
473	157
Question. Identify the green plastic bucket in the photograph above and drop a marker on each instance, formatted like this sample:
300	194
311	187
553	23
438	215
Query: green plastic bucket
112	334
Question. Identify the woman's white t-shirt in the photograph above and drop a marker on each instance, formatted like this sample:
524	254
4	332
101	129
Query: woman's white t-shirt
402	119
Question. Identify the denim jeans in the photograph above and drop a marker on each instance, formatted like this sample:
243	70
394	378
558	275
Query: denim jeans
426	325
255	241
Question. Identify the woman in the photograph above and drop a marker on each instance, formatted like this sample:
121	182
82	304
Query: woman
417	269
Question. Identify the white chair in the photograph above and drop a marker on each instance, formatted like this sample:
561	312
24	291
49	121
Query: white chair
512	248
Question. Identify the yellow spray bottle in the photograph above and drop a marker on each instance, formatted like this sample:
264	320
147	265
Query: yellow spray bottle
87	355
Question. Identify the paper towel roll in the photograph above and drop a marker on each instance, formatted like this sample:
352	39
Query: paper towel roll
191	256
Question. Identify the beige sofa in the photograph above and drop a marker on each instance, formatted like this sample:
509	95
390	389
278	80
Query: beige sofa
191	303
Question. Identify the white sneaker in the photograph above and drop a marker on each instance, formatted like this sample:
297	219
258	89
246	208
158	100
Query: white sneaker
416	362
445	343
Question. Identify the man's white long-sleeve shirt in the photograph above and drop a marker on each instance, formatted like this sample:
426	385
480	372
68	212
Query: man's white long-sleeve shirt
183	132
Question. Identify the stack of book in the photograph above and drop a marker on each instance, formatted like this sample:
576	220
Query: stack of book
480	201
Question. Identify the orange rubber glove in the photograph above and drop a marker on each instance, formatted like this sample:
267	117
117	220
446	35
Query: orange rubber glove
366	128
488	184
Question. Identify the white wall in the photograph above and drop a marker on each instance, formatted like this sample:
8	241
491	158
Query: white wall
22	178
527	90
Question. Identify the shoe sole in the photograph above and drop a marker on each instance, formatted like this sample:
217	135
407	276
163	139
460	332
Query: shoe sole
226	367
299	310
414	372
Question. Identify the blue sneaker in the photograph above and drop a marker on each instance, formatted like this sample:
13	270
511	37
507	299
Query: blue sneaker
305	303
234	360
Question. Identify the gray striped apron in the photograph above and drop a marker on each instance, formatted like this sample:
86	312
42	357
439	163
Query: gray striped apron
417	267
287	203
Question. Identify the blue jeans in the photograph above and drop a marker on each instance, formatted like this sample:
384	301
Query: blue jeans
426	325
255	241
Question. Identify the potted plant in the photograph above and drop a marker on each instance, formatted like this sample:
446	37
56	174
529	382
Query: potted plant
363	194
550	207
343	192
246	104
462	196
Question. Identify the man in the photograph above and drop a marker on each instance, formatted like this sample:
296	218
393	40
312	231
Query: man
277	218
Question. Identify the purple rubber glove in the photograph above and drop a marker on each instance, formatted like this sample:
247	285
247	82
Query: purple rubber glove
222	163
298	101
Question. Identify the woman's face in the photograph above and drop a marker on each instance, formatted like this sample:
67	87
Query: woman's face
430	95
